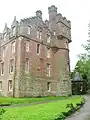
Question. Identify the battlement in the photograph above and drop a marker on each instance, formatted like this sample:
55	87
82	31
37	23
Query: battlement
52	9
37	21
60	18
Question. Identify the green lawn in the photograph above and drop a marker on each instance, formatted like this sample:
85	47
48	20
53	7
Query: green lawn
47	111
7	100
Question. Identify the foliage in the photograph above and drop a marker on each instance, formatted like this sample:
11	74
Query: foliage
1	111
50	111
83	65
9	101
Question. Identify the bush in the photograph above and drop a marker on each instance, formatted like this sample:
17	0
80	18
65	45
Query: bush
1	111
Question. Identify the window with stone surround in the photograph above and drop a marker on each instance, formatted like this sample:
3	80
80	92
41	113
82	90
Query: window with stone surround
38	49
48	39
10	85
48	69
0	85
4	36
11	66
13	47
48	52
3	51
66	45
29	30
2	68
27	46
54	32
39	34
68	67
49	86
27	65
14	30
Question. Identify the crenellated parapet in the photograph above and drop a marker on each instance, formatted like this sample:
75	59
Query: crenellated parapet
36	23
60	18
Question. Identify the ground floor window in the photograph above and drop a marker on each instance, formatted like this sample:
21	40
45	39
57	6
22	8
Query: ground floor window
49	86
10	85
0	85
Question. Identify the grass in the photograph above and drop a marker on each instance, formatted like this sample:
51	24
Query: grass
8	100
48	111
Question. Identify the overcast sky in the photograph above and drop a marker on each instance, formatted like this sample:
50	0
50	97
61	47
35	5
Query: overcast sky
77	11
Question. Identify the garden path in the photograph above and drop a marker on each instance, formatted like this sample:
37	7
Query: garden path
83	113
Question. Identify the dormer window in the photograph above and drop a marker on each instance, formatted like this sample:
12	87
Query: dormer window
4	36
48	38
29	30
39	34
14	30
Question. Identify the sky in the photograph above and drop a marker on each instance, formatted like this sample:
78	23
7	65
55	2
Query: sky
77	11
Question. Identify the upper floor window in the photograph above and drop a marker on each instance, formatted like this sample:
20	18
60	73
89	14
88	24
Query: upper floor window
2	68
27	46
48	52
0	85
54	32
63	30
48	69
11	65
66	45
3	51
14	30
38	48
10	85
13	47
29	30
39	34
48	38
4	36
27	65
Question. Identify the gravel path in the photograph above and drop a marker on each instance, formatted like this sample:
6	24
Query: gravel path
83	113
30	104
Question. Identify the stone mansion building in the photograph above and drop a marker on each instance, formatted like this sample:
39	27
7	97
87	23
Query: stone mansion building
34	56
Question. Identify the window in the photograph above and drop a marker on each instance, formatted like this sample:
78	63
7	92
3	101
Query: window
2	68
3	51
39	34
48	38
13	47
27	65
10	85
11	66
13	30
4	36
63	29
0	85
68	68
66	45
29	29
48	69
27	46
54	33
38	48
48	52
49	86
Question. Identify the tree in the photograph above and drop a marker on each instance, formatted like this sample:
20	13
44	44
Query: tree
83	65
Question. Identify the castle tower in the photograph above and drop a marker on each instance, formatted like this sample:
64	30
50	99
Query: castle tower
52	17
60	27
